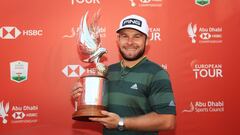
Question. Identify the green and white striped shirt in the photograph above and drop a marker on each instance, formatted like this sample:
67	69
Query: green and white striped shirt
142	89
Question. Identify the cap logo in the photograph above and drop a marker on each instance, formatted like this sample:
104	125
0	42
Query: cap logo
132	21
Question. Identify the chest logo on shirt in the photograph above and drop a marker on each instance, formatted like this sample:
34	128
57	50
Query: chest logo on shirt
172	103
134	86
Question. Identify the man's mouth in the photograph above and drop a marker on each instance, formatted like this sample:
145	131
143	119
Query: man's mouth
130	48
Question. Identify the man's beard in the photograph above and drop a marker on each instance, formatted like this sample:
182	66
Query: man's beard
139	55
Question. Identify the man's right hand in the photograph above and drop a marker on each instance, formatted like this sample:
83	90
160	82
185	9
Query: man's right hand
77	90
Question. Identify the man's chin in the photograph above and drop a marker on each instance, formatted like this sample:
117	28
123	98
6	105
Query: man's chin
131	58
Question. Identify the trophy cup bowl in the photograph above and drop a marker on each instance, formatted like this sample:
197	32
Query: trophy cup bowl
94	97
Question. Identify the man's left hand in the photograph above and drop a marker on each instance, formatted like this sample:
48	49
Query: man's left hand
110	121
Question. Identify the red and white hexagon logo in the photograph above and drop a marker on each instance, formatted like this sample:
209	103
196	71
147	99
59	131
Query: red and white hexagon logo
9	32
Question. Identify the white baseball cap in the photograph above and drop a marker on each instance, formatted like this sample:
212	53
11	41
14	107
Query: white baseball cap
134	22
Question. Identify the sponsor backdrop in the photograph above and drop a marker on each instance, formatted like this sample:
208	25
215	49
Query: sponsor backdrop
194	40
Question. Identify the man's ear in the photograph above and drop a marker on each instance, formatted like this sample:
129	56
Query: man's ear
147	40
147	45
117	39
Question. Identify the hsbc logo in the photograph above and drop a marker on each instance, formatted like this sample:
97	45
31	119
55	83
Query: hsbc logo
12	32
9	32
145	1
18	115
73	71
205	36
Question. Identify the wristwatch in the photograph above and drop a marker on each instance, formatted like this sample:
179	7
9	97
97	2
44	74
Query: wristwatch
121	125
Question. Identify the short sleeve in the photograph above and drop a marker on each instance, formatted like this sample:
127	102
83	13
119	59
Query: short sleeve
161	96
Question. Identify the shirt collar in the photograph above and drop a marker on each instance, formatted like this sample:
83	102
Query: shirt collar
142	60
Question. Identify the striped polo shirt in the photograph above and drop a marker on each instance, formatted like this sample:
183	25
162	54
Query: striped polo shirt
138	90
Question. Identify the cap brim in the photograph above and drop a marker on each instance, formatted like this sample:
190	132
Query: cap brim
117	31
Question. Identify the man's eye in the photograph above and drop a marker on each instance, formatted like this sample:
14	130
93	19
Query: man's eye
123	36
137	36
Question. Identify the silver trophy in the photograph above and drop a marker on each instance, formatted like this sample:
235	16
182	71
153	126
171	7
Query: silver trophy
94	96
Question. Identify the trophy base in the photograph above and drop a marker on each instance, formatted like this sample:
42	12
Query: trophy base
86	111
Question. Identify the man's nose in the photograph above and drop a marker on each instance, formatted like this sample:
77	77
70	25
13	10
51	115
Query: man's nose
130	40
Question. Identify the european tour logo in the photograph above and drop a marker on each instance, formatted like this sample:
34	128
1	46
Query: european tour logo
155	34
202	70
73	2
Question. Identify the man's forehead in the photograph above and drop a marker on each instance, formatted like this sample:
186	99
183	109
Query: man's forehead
130	31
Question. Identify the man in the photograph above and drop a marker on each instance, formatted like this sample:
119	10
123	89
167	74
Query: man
141	100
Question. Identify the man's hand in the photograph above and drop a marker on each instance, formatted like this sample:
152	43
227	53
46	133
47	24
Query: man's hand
77	90
110	121
148	122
